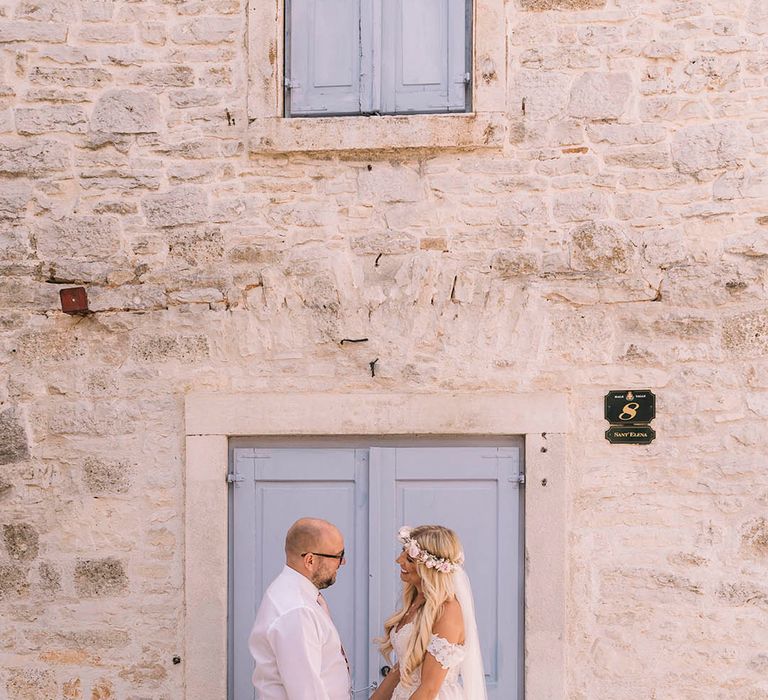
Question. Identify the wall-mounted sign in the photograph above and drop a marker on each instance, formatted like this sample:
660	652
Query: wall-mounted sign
630	411
632	435
629	407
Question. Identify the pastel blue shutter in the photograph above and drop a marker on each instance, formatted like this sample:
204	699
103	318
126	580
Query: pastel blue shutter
424	56
324	65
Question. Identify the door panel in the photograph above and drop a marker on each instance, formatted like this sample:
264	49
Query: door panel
281	486
369	494
474	491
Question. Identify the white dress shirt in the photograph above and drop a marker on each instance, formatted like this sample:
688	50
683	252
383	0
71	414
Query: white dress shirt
295	644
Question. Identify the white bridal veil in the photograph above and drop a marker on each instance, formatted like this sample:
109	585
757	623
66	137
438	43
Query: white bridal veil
473	676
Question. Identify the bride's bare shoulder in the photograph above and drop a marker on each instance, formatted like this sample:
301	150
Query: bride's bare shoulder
449	624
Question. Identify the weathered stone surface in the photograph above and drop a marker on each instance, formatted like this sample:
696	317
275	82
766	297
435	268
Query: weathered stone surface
32	158
385	243
600	247
14	198
13	581
103	690
509	264
72	690
126	112
11	31
206	30
753	245
42	120
166	76
182	205
754	537
150	674
710	147
164	348
46	10
104	477
14	446
541	5
746	333
50	577
92	237
71	76
600	95
757	17
580	206
21	541
539	95
99	578
31	684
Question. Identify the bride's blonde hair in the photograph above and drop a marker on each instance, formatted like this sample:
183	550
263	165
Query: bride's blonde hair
437	588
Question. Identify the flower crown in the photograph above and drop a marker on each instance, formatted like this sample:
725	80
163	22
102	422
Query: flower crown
431	561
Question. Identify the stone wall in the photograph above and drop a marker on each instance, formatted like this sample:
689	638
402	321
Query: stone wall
617	237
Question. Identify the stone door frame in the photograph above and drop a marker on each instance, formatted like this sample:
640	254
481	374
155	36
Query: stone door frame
212	419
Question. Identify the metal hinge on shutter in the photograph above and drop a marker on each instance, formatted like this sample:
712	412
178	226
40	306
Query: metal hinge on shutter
291	84
518	478
235	478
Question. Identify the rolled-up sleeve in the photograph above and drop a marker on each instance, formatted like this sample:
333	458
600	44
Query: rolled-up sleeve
297	641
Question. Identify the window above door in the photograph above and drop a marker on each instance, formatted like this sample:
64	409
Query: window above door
346	57
367	75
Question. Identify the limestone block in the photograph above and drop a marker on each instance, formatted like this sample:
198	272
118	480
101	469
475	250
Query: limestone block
600	95
639	157
518	210
600	247
200	97
21	30
71	76
542	5
754	537
580	206
126	112
710	147
165	348
21	541
153	33
31	684
107	477
97	10
90	237
128	297
103	690
206	30
49	577
14	446
753	245
539	95
166	76
56	95
512	263
197	296
757	17
99	578
32	157
107	33
13	582
14	198
46	10
181	205
40	120
746	334
148	673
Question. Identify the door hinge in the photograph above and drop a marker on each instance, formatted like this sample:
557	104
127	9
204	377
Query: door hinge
235	478
291	84
517	478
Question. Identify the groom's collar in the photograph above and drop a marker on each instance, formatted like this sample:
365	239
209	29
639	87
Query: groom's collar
301	581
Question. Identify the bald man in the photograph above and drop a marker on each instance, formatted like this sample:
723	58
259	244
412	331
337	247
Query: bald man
294	642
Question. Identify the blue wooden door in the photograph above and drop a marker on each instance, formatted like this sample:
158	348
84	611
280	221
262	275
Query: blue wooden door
475	492
369	494
278	487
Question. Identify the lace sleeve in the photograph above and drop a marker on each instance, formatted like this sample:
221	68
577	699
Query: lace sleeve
448	655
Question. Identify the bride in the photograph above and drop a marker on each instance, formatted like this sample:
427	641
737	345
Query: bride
434	634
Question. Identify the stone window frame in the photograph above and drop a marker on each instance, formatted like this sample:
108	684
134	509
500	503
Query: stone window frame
271	132
212	419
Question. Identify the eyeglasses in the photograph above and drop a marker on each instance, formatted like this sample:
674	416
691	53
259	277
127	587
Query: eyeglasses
340	557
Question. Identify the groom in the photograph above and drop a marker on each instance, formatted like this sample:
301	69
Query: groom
294	642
